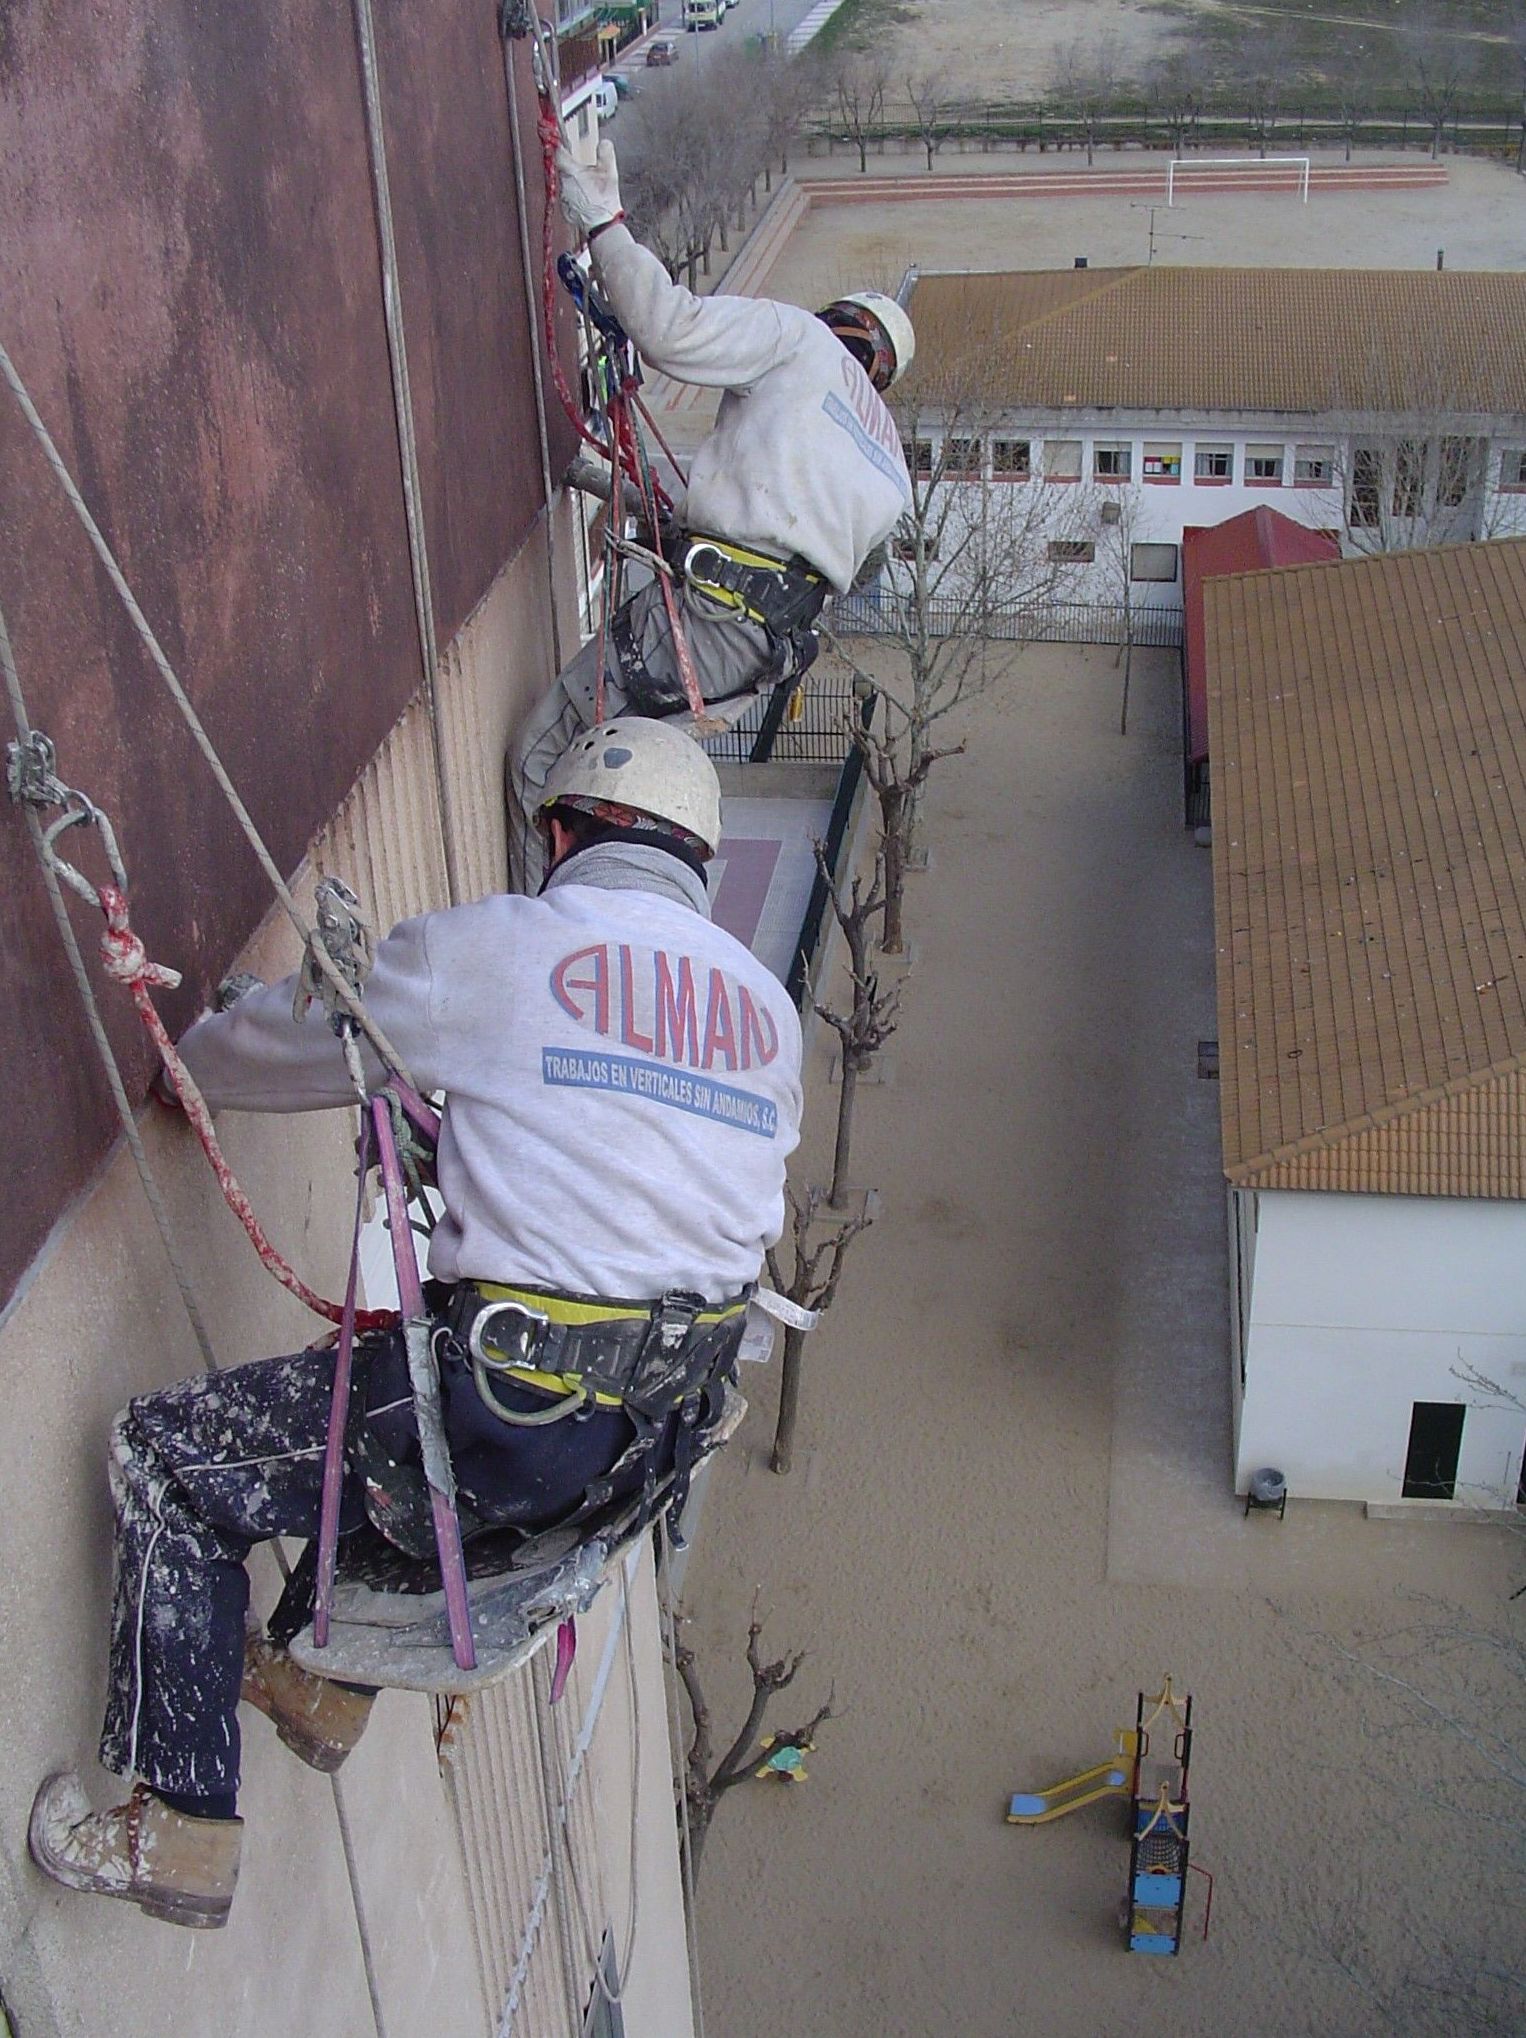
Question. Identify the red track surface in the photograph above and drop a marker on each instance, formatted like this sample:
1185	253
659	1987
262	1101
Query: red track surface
1196	179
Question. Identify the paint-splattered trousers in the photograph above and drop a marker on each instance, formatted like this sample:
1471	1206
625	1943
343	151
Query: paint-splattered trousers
202	1471
733	659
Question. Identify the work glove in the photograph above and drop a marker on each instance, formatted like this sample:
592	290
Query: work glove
590	191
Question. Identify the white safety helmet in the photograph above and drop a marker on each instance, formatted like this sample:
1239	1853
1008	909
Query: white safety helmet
869	322
651	766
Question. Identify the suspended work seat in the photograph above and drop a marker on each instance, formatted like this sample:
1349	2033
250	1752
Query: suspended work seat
390	1625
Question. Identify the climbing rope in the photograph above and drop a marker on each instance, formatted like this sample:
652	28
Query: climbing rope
26	741
103	552
407	439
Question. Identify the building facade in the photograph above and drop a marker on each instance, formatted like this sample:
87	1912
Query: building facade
1369	866
224	231
1387	409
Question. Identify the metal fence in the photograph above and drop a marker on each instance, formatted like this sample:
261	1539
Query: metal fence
817	735
885	615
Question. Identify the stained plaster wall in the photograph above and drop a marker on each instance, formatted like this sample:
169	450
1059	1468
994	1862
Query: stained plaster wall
98	1320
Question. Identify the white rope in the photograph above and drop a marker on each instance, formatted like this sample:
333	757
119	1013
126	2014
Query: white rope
177	692
402	405
160	1211
670	1673
533	321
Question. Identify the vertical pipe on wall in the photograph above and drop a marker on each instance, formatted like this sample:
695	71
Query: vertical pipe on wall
402	401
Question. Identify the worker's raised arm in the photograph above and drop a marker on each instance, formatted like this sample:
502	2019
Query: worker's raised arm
257	1057
721	342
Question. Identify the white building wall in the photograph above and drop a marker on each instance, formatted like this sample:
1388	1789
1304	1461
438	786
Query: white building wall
1361	1306
1157	511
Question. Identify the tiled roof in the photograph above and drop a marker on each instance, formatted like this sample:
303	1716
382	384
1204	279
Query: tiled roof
1298	341
1368	735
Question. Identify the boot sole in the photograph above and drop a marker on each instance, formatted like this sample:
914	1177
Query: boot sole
194	1912
319	1755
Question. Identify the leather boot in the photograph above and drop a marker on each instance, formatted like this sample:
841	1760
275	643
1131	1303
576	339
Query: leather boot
318	1720
175	1868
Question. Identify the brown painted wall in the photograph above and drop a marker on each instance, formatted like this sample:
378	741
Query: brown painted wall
193	296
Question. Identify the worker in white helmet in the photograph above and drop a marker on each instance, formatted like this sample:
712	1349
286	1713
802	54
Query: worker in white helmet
800	482
621	1086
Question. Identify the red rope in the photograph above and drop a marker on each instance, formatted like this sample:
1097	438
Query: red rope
127	962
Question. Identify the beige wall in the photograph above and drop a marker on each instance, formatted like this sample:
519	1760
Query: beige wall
98	1320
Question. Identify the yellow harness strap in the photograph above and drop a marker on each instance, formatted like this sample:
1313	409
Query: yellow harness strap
568	1309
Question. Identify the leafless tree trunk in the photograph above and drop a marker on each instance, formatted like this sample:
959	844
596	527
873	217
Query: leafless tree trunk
1086	81
858	85
705	1781
928	104
811	1280
871	1015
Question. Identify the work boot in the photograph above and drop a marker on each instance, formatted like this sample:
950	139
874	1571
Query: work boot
319	1721
172	1867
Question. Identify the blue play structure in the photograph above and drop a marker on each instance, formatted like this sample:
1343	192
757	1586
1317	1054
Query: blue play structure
1149	1768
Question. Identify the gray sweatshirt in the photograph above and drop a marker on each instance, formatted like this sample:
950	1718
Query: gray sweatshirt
804	457
621	1078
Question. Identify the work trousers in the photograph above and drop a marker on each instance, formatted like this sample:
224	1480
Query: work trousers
733	659
202	1471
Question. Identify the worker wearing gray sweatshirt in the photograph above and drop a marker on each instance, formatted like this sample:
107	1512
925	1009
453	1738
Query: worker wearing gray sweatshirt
800	481
621	1086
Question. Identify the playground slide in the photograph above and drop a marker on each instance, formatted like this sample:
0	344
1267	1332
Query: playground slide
1107	1779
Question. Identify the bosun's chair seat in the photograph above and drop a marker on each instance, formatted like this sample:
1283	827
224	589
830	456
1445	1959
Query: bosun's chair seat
389	1627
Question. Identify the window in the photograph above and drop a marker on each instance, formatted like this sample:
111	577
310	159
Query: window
1072	551
919	455
904	545
1435	1444
962	456
1263	466
1162	462
1011	459
1409	478
1513	467
1366	511
1112	460
1152	562
1313	466
1062	459
1214	464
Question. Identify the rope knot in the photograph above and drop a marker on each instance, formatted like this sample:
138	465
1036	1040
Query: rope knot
123	955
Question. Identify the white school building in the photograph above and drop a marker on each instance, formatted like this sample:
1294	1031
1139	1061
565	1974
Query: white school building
1369	848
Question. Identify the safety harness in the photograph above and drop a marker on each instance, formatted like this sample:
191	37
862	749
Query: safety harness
650	1359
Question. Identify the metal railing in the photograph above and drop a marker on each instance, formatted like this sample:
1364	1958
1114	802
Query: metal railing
765	733
883	614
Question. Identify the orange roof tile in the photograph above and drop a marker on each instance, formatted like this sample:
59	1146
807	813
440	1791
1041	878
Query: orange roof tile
1298	341
1368	735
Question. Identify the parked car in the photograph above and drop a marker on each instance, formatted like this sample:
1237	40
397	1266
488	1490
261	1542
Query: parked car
662	51
606	100
625	85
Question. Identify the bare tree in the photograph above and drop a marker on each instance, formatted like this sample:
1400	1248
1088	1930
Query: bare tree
929	104
706	1781
871	1015
811	1278
1355	86
1177	86
1086	83
1265	71
1441	64
1119	517
970	563
858	89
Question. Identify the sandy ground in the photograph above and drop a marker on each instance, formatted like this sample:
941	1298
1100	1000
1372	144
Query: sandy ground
1478	217
1011	1507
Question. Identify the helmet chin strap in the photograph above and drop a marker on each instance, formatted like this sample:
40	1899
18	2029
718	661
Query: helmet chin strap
599	833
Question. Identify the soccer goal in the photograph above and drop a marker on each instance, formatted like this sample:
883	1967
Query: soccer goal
1248	177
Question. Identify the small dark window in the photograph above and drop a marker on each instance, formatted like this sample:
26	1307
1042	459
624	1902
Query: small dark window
919	455
1010	459
963	457
1071	551
1435	1443
1366	511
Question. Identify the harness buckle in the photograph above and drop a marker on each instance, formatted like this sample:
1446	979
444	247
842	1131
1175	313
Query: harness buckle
525	1340
673	1318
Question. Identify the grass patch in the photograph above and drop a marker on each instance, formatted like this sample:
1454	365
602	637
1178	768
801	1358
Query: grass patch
859	25
1373	32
